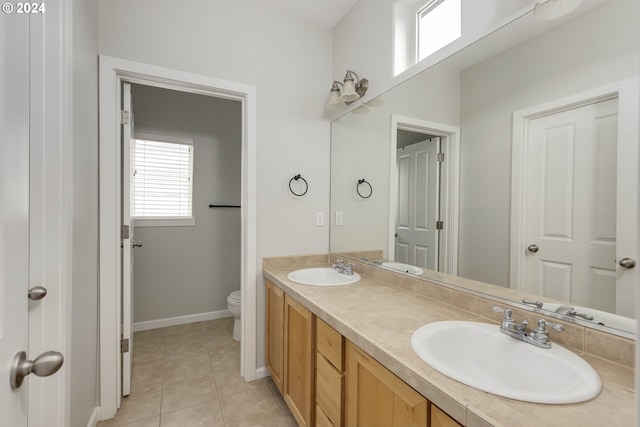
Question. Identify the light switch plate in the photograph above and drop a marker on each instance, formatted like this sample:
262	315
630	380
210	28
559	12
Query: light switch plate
319	218
338	218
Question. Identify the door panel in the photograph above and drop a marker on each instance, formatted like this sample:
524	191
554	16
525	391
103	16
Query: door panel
416	234
127	243
14	210
571	186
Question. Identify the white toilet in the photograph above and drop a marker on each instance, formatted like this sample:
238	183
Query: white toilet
233	304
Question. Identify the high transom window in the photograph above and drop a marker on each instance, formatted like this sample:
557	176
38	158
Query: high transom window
439	23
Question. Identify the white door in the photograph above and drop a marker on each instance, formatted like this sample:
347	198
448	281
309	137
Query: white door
416	233
571	230
127	238
14	210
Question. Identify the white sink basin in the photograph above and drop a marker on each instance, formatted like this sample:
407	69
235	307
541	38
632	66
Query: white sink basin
479	355
323	276
405	268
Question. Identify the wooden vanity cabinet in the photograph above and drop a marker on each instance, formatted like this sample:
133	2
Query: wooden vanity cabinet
440	419
327	381
275	333
299	361
329	376
378	398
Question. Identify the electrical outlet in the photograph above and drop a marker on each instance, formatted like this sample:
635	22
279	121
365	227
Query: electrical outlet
319	218
338	218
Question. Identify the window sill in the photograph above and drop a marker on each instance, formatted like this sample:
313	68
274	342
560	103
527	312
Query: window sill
164	222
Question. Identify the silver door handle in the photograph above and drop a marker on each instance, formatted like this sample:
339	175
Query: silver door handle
48	363
37	293
627	263
136	243
533	248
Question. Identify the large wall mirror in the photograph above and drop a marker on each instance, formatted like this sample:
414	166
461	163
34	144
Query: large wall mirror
514	162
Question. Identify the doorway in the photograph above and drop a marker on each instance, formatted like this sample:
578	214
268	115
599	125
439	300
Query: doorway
418	214
181	177
114	72
446	139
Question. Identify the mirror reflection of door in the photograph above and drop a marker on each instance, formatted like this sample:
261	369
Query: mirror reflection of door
571	205
418	193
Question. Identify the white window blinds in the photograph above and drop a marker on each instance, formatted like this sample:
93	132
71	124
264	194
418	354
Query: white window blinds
162	177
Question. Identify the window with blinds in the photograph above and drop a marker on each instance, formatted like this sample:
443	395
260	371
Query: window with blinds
162	174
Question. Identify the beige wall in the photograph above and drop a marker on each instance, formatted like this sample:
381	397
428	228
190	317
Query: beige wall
189	270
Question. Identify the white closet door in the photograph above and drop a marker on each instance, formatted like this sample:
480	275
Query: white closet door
571	206
416	234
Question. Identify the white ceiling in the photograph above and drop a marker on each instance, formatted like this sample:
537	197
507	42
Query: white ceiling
326	13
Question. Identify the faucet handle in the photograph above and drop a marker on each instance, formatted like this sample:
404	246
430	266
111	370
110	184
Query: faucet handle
507	312
542	323
536	303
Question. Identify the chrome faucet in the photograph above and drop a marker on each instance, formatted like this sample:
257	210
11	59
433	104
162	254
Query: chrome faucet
565	310
538	337
537	304
343	268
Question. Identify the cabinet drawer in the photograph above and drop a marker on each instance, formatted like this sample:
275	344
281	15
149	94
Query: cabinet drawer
440	419
329	344
321	419
329	390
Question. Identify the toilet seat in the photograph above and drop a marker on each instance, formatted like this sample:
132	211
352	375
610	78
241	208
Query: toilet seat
234	297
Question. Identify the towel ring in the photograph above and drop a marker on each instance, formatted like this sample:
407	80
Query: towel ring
306	185
364	181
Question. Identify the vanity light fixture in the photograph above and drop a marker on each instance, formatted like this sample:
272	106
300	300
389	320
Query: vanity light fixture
361	109
353	88
553	9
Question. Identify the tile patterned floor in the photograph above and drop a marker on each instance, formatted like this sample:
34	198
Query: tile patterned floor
189	375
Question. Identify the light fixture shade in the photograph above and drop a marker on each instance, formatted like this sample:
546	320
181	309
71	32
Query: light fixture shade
334	100
334	96
349	91
554	9
362	109
375	102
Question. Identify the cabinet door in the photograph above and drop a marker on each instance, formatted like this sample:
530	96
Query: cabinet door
329	390
440	419
299	361
376	397
330	343
275	333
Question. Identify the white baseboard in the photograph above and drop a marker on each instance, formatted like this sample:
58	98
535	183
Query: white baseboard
262	373
95	417
180	320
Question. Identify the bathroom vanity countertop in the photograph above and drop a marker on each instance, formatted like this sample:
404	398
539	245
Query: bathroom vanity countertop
380	318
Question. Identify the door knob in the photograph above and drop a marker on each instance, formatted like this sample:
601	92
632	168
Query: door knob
627	262
136	243
37	293
533	248
46	364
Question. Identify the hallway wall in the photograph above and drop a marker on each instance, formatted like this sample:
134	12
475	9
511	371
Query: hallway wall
83	360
